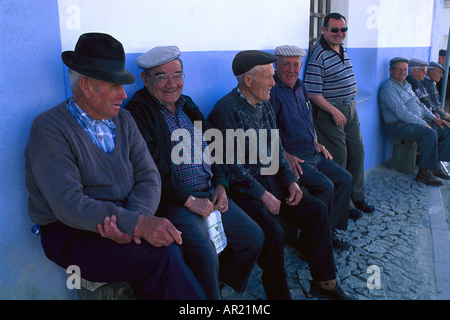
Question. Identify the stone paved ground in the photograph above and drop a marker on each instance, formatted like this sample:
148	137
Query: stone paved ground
396	239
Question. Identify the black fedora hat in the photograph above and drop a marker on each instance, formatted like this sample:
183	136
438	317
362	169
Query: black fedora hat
99	56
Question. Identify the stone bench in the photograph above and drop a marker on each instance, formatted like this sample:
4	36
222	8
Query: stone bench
404	155
105	291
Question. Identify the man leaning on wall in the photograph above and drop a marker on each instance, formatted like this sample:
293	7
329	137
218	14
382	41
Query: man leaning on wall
332	88
93	187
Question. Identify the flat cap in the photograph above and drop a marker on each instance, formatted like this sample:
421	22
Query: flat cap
417	63
157	56
396	60
436	65
246	60
442	53
289	51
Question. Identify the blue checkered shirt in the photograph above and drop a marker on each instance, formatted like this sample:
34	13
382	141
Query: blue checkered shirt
101	132
399	102
193	170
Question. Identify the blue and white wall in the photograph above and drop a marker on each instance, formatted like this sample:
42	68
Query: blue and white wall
209	34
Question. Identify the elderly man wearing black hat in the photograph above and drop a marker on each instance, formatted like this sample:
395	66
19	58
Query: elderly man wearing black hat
264	197
434	74
93	187
408	118
191	189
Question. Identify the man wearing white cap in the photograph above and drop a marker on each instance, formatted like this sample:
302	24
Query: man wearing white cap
311	161
191	190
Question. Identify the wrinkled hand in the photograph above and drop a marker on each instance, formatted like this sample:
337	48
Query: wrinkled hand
220	199
295	164
295	194
200	206
338	117
109	230
271	203
441	123
157	231
323	150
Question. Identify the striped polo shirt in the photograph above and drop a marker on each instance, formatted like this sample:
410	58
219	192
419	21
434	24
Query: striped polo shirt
330	74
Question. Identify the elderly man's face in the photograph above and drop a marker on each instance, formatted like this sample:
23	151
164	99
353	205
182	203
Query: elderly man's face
103	99
288	69
400	71
260	84
166	91
435	74
334	38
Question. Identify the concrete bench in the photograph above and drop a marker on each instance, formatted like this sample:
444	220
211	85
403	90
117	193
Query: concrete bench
105	291
404	155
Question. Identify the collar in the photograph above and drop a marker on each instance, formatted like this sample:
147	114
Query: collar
84	117
326	46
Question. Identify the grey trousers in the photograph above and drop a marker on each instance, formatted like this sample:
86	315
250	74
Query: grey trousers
344	143
433	144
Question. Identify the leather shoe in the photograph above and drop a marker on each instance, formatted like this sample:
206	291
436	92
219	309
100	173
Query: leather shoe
364	206
427	177
441	173
355	214
338	243
336	293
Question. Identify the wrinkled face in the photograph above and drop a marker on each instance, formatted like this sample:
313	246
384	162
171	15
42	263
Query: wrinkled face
334	38
419	73
288	69
165	89
260	83
435	74
399	71
103	99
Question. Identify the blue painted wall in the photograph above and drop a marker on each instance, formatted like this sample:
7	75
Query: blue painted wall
34	79
31	81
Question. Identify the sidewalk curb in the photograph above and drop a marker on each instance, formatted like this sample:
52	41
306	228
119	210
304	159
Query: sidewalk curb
441	243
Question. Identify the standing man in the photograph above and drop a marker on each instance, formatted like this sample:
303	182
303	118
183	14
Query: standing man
310	161
332	88
94	188
192	189
408	118
265	194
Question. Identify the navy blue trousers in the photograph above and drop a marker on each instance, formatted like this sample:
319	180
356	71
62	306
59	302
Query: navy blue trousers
329	182
235	263
153	273
310	215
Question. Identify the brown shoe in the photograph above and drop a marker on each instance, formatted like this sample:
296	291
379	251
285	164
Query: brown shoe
427	177
441	173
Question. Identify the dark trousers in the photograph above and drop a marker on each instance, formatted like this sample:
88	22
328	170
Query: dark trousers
344	143
153	273
310	215
329	182
235	263
433	143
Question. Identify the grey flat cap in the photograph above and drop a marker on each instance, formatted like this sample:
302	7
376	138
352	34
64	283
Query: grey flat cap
157	56
289	51
417	63
436	65
396	60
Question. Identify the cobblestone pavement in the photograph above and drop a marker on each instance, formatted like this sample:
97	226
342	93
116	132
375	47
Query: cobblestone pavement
393	244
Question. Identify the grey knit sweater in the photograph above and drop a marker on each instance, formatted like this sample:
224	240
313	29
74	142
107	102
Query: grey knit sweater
233	112
71	180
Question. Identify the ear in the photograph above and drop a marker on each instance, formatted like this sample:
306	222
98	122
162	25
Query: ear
86	86
248	80
144	77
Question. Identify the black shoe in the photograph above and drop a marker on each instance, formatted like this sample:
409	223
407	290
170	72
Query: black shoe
355	214
364	206
338	243
427	177
441	173
334	294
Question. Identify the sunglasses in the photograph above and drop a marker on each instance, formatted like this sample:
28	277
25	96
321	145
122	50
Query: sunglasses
336	30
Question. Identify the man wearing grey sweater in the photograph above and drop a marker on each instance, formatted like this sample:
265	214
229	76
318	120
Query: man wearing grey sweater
94	188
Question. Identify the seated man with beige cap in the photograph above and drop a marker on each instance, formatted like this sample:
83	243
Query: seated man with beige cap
93	186
310	161
194	188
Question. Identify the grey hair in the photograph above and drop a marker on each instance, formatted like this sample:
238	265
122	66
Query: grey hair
251	72
74	79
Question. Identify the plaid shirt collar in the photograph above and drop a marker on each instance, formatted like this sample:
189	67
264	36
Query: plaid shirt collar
258	105
85	118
